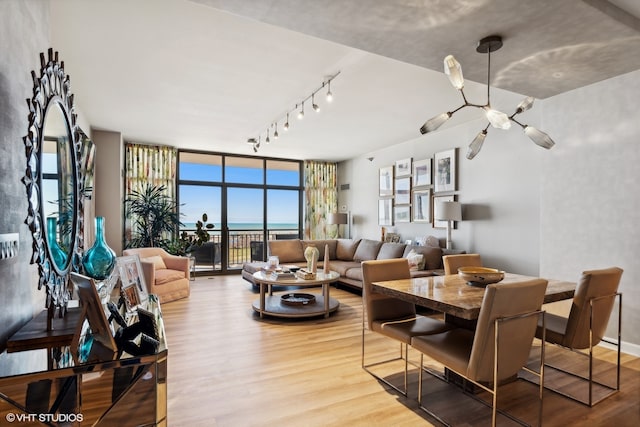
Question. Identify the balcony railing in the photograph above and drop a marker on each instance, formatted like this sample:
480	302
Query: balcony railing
243	246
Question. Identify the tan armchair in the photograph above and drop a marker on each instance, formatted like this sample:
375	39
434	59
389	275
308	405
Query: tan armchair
585	327
453	262
166	275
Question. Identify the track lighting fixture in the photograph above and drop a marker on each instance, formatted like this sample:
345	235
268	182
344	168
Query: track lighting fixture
300	113
496	118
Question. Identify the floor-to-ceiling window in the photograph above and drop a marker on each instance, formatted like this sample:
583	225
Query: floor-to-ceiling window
248	200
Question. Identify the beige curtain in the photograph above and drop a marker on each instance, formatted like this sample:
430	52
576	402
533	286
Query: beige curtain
321	196
154	164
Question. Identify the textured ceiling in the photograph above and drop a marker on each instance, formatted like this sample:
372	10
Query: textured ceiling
550	46
209	74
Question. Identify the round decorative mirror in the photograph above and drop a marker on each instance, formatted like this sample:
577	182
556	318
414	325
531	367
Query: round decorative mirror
54	187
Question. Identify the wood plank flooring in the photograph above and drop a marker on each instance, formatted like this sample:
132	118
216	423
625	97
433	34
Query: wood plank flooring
228	367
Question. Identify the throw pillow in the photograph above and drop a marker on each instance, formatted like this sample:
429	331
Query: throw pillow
157	261
416	260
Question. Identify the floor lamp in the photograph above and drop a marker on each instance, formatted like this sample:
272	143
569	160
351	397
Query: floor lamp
338	219
449	211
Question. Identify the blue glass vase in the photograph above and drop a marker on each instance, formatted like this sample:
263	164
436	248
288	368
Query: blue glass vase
100	259
58	256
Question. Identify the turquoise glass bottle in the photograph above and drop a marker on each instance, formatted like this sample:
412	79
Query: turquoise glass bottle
100	259
58	256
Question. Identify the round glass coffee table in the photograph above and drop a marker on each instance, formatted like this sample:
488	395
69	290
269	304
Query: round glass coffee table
295	304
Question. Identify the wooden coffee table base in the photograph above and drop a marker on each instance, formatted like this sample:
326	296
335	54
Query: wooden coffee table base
274	307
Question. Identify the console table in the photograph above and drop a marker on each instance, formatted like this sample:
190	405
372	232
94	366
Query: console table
45	387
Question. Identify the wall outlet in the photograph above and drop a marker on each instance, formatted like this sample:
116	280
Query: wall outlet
9	245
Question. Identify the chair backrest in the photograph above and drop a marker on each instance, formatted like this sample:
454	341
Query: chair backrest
592	284
515	336
382	307
145	252
453	262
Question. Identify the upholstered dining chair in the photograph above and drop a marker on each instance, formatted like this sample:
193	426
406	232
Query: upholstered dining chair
392	317
500	345
585	327
453	262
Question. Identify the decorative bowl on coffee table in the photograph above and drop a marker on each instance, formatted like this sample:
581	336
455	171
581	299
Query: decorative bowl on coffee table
480	276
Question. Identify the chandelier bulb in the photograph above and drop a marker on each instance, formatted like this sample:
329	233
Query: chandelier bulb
434	123
476	144
539	137
526	104
453	70
498	119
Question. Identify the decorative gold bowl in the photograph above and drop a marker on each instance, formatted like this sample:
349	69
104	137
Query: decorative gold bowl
480	276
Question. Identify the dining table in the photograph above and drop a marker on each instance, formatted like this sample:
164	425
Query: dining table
453	296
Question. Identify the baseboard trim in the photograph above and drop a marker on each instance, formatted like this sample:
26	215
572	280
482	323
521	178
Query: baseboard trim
626	347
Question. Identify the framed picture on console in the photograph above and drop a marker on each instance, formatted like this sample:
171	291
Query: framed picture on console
445	171
134	288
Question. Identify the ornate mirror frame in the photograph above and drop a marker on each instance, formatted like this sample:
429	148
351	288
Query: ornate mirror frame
52	89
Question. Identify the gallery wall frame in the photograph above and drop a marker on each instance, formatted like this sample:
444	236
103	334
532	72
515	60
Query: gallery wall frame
445	165
386	181
402	192
385	212
421	203
403	167
422	173
402	213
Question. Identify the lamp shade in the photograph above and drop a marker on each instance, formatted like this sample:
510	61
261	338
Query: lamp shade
337	218
448	211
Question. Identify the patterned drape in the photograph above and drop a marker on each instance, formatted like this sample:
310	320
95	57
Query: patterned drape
321	194
153	164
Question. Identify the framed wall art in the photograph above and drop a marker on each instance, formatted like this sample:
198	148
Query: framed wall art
422	173
437	200
134	288
385	212
402	213
445	171
403	167
386	181
402	193
421	205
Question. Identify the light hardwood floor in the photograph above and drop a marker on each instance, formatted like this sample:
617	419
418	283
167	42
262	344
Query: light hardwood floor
228	367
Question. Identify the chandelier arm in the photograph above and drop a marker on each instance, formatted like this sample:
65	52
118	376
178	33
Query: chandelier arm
514	120
460	108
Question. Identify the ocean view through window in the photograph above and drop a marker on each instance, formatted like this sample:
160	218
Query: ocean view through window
249	200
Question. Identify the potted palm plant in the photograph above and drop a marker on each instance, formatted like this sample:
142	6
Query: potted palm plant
154	215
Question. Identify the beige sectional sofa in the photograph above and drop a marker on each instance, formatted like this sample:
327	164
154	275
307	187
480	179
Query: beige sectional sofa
346	256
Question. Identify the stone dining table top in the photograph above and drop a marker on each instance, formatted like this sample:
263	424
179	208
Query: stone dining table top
452	295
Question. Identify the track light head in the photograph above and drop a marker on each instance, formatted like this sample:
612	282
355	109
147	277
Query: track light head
315	106
286	124
301	112
329	94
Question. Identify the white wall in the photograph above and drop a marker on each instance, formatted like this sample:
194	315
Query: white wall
528	210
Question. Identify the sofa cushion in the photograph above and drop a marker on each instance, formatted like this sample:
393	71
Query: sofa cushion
354	273
341	267
367	250
432	255
320	244
286	250
391	250
165	276
156	260
346	248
